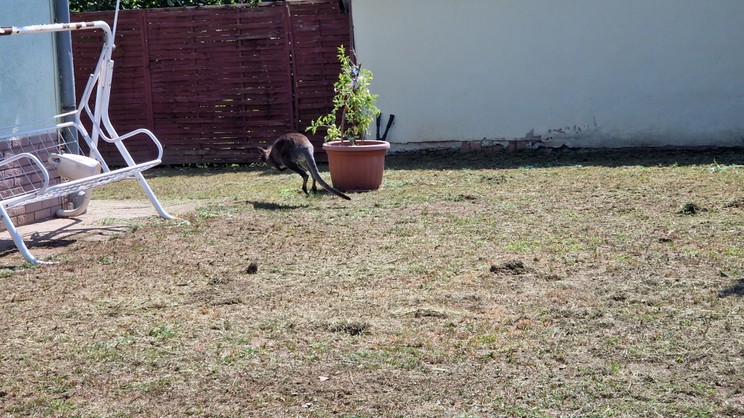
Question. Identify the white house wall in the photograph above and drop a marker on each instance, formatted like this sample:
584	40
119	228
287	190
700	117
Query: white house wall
28	87
581	73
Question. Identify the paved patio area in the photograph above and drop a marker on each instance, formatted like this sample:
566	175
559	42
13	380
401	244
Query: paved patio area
103	219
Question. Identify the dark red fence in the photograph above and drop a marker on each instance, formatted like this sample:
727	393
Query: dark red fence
213	83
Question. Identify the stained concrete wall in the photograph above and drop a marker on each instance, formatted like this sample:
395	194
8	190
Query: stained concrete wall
582	73
28	80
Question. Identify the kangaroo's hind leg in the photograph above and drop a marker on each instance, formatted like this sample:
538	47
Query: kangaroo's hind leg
305	167
301	171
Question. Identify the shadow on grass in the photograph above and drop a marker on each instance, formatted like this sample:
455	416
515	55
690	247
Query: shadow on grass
61	237
164	171
737	289
454	159
8	247
274	206
200	170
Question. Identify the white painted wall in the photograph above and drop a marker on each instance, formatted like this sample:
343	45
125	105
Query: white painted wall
604	73
28	80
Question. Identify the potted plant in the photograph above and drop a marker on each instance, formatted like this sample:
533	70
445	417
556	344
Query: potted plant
355	163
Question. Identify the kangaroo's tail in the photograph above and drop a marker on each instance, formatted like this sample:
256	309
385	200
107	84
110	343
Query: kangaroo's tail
316	175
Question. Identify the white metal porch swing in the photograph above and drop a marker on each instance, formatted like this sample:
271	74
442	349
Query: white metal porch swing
37	153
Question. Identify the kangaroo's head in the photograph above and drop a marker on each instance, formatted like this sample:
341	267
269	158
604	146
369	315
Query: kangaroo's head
263	155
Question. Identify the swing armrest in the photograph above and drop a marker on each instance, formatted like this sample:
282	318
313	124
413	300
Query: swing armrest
136	132
34	160
26	193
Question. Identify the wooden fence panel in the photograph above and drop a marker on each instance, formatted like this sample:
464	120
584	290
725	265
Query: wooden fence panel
221	81
214	83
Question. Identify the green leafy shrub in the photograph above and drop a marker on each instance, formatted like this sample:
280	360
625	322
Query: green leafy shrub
352	100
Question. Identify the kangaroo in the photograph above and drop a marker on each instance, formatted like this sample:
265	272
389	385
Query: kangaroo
295	152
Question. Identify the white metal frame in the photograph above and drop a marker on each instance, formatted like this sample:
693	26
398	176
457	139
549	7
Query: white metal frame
34	160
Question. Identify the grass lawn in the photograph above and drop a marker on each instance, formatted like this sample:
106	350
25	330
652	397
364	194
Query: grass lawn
527	285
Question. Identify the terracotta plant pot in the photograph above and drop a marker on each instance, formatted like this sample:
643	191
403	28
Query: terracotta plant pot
356	168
